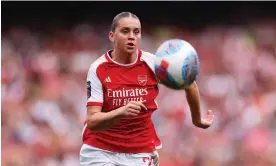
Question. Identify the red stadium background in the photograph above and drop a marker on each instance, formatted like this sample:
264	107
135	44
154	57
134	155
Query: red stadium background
47	48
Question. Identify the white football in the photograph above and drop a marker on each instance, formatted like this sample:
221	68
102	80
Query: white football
176	64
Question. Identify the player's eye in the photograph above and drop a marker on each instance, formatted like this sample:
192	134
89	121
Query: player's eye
125	30
136	31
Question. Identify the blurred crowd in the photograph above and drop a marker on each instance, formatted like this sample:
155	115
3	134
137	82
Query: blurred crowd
43	95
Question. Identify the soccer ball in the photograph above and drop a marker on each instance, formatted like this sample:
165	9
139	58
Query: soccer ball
176	64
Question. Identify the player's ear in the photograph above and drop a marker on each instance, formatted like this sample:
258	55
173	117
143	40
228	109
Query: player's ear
111	36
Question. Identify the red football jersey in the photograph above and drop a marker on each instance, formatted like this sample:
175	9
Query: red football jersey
112	85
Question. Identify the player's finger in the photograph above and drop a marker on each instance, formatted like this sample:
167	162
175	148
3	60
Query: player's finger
138	104
132	114
209	112
210	115
133	111
143	106
134	102
135	106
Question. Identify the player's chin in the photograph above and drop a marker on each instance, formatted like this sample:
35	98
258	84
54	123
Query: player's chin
130	49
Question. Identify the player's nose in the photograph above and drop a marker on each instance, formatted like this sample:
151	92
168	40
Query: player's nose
131	36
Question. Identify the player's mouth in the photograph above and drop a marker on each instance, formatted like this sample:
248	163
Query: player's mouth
130	45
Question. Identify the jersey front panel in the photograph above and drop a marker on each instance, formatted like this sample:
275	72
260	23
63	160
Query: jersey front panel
128	83
120	85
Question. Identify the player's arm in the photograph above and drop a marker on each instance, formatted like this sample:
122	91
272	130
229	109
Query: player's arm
98	120
193	98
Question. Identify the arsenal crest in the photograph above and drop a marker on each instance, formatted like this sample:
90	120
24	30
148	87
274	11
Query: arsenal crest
142	80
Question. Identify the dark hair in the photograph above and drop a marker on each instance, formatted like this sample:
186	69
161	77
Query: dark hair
119	16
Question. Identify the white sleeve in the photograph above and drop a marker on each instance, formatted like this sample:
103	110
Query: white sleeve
149	59
94	88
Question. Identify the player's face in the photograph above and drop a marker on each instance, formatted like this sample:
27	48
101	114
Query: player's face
127	35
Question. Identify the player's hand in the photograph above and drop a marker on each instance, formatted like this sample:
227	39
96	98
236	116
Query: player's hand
133	108
208	121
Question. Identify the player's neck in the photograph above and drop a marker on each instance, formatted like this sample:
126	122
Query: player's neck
123	57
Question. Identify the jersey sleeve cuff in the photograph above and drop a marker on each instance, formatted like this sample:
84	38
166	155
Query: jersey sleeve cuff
91	103
158	147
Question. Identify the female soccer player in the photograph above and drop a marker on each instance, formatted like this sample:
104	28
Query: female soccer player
122	88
